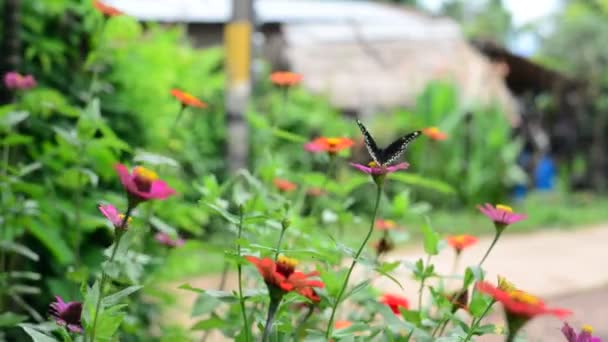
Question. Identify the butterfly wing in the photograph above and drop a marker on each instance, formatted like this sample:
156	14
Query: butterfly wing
370	143
396	149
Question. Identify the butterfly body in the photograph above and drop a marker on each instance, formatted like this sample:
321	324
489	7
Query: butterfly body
386	156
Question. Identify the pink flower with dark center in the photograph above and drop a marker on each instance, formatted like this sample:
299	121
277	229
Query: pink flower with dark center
67	314
583	336
501	214
167	240
373	169
142	184
112	214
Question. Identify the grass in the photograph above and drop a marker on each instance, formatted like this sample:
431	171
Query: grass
545	211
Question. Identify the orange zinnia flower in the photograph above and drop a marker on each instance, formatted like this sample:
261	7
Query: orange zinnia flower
343	324
106	9
187	99
284	185
285	78
394	302
460	242
281	276
385	224
329	145
520	304
434	133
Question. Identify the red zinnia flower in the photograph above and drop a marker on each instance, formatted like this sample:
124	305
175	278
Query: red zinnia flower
284	185
434	133
285	78
106	9
282	276
342	324
460	242
329	145
385	224
187	99
501	214
394	302
520	304
142	184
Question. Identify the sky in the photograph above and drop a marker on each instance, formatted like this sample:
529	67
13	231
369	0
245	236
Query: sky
523	12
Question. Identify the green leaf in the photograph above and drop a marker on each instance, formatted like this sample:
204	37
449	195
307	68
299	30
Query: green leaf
154	159
479	303
9	319
473	273
431	239
211	323
205	304
108	323
36	335
11	246
90	300
11	119
51	239
223	212
423	182
116	297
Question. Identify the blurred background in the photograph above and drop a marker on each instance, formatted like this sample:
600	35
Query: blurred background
518	88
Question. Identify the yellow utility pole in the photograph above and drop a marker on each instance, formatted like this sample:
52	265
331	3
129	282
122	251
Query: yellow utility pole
237	43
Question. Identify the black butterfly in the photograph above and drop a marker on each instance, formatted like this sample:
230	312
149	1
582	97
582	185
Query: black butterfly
386	156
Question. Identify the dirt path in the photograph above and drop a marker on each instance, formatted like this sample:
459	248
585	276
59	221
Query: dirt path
567	268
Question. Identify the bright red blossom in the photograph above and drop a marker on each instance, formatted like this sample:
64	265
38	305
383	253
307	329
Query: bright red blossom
285	78
394	302
434	133
187	99
284	185
519	303
282	275
460	242
106	9
329	145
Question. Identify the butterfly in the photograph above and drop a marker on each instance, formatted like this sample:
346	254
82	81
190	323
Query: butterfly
390	154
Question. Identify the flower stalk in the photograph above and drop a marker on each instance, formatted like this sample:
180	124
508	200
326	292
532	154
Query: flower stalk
119	234
477	321
272	310
352	266
239	270
499	229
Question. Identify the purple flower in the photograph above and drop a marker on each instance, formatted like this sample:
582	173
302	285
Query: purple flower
67	314
142	184
501	214
112	214
167	240
583	336
373	169
15	81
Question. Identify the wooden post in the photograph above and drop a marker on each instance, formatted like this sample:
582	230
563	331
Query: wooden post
237	42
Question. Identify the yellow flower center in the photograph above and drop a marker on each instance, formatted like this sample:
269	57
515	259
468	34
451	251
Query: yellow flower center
333	141
504	208
587	328
433	130
286	266
372	164
144	174
287	261
524	297
505	285
122	217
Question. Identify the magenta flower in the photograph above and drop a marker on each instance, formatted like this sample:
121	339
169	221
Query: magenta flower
15	81
112	214
583	336
142	184
373	169
501	214
168	241
67	314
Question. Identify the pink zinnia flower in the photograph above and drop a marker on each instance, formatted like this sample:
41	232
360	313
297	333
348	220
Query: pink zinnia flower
15	81
67	314
112	214
373	169
501	214
142	184
167	240
583	336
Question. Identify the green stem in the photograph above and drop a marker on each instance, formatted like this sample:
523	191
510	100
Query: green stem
272	310
180	113
104	276
298	331
476	322
241	297
352	265
496	237
276	255
3	229
421	289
